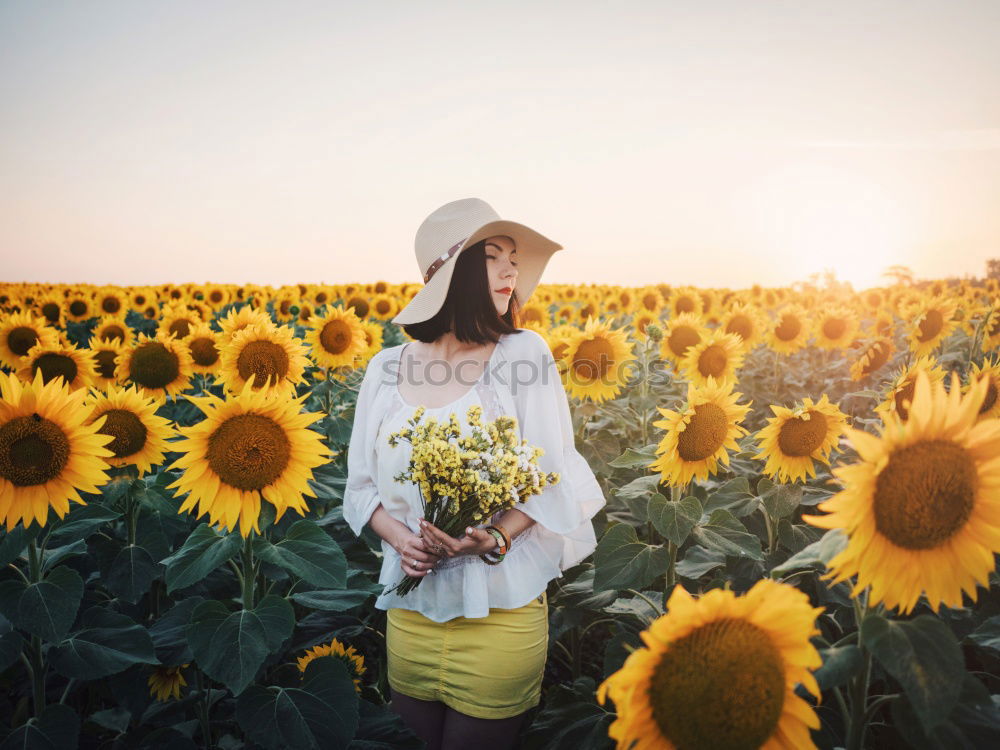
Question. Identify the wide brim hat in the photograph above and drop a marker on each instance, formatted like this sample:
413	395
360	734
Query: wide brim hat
458	225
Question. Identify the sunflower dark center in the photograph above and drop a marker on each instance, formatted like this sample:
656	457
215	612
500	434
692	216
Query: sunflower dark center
925	494
106	363
180	328
741	325
52	365
800	437
704	434
593	358
265	360
382	306
685	304
721	686
78	307
248	451
360	307
878	355
215	296
991	397
113	333
127	429
283	307
650	301
335	337
51	312
788	328
204	351
713	361
681	338
321	298
111	305
903	397
930	325
995	326
154	365
834	328
531	314
21	339
33	450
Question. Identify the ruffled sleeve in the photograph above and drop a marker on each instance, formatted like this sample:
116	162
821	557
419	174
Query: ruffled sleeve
565	508
361	492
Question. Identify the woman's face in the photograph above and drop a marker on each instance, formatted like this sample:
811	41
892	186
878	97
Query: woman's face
501	270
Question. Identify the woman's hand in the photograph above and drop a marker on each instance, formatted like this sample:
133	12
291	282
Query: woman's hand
417	558
474	542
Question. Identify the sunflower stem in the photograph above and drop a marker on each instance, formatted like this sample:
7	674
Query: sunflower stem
202	709
249	573
37	666
859	686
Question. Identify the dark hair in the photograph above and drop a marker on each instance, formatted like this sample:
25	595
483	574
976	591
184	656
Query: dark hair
468	308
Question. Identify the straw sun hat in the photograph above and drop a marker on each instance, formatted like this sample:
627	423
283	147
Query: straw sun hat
452	228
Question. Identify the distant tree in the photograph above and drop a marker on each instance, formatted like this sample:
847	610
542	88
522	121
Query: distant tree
899	274
993	268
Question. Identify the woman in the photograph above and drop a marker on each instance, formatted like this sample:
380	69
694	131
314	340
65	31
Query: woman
467	647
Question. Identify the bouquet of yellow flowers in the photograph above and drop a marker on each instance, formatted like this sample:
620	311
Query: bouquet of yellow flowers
466	478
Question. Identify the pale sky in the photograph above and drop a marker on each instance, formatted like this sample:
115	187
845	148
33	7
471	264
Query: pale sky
717	143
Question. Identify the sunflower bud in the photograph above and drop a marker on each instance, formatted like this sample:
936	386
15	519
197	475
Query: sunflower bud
654	332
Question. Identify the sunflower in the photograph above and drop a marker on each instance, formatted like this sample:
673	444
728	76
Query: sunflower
286	307
990	369
237	320
680	333
873	357
142	298
104	354
700	434
795	437
166	681
746	322
836	327
62	359
110	301
883	325
79	307
270	353
789	332
900	392
139	436
718	355
533	315
650	300
991	328
921	508
50	307
47	452
685	300
203	344
160	365
178	322
383	307
114	329
597	362
20	332
354	661
336	339
639	322
931	321
217	296
249	446
720	671
374	335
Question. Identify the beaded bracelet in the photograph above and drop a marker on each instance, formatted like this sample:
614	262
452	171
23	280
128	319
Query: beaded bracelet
497	557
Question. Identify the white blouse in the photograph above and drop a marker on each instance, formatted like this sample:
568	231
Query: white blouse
521	380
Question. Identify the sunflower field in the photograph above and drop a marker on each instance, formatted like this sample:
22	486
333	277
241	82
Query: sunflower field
798	549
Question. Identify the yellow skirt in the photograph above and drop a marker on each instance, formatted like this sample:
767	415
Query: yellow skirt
489	667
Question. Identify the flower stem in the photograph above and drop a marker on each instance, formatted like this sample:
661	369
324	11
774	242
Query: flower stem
859	685
37	666
248	572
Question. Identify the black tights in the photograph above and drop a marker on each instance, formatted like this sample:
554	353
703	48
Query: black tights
444	728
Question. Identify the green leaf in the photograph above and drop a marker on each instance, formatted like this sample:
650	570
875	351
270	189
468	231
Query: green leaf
278	619
229	646
571	717
48	608
781	500
698	561
81	521
839	665
323	713
169	632
334	600
131	574
675	520
633	459
13	543
924	657
58	728
107	643
52	557
817	554
734	496
203	551
987	635
724	532
641	487
308	552
621	561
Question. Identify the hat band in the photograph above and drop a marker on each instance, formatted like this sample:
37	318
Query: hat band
441	259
